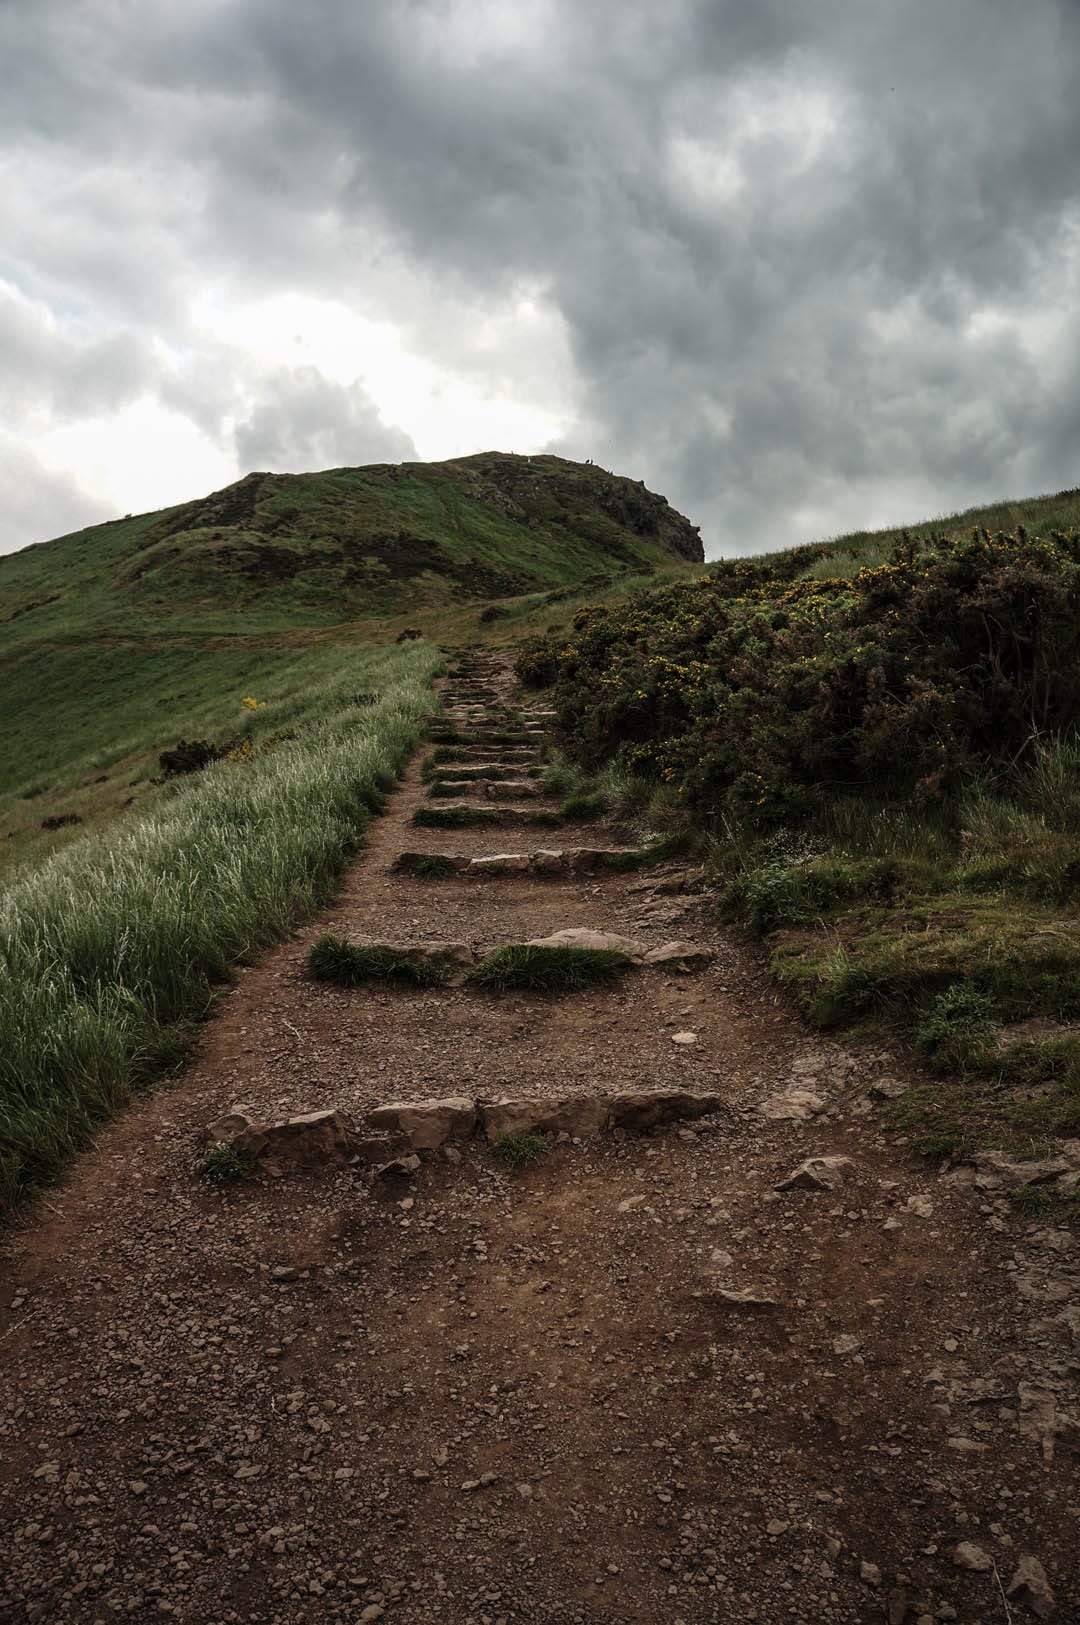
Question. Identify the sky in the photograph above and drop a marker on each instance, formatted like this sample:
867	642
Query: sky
803	268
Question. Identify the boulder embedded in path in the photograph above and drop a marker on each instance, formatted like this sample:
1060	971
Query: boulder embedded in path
680	956
643	1109
308	1140
580	1116
426	1124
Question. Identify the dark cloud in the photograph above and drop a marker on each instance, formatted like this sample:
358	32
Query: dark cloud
815	266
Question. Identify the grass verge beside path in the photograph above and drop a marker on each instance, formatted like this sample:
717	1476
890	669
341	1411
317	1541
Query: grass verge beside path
109	949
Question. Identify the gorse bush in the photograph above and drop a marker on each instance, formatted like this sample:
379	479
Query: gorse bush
108	949
757	694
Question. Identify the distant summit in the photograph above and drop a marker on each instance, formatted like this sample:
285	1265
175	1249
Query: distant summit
318	549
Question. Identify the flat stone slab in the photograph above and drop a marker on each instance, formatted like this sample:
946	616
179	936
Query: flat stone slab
680	956
583	937
996	1171
511	789
793	1106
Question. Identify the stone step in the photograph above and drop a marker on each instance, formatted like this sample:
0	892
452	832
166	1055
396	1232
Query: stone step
484	770
491	790
486	755
575	860
510	789
488	737
497	816
392	1136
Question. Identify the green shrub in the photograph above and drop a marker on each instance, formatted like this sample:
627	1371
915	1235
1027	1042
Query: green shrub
775	894
192	755
757	694
537	662
548	970
351	964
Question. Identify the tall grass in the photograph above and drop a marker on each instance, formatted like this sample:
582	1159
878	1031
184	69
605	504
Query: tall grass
111	947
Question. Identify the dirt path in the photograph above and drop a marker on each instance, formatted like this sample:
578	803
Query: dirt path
486	1397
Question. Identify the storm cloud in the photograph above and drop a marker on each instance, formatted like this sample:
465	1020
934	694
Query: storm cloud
799	268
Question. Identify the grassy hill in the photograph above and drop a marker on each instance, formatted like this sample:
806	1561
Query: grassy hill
117	640
872	737
281	552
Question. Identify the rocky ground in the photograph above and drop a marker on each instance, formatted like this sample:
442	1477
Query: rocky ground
633	1382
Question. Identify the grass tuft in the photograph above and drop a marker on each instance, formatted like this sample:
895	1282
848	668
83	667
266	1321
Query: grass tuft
222	1165
548	970
351	964
585	809
425	865
519	1150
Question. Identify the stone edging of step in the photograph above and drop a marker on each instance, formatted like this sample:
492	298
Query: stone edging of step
391	1138
576	860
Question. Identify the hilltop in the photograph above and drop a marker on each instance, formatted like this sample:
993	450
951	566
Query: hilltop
283	551
117	640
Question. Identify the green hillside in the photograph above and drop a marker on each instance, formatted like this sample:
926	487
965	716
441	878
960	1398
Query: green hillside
117	640
278	552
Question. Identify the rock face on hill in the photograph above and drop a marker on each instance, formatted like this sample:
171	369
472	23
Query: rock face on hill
354	542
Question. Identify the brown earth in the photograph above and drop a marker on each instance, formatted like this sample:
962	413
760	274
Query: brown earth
481	1396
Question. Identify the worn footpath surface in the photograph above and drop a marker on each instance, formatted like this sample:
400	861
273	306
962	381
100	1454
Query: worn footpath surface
484	1396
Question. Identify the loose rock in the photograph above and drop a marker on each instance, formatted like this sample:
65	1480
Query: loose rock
1030	1587
794	1106
816	1174
971	1557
